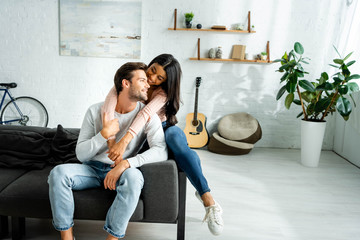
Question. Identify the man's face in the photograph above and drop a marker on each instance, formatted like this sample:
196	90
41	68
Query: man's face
139	86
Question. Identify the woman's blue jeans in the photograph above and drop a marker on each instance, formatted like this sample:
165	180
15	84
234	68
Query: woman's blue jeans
67	177
186	158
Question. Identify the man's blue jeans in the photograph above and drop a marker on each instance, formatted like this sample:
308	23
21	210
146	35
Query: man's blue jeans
67	177
186	158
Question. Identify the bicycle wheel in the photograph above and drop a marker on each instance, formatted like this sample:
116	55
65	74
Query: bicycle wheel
33	113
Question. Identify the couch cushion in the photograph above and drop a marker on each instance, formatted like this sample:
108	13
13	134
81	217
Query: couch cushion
23	149
63	146
161	191
7	176
28	196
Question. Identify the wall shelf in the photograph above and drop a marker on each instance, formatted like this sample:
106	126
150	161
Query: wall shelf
210	30
198	58
229	60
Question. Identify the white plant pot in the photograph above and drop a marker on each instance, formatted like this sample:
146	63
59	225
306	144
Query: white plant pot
312	136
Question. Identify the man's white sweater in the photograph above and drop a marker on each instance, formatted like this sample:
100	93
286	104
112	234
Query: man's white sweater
92	145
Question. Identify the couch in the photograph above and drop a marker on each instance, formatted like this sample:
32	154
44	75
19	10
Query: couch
27	155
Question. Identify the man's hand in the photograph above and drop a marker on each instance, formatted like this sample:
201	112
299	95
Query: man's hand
110	127
114	174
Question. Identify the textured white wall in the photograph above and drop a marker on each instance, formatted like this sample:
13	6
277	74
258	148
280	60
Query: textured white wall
29	55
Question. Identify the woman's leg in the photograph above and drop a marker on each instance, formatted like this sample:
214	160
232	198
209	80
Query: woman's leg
186	158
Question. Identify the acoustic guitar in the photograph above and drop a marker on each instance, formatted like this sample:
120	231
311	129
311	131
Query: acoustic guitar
195	131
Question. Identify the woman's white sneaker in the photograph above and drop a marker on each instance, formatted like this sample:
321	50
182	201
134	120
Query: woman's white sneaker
213	217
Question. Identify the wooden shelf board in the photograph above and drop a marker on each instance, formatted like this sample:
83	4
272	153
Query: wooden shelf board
230	60
210	30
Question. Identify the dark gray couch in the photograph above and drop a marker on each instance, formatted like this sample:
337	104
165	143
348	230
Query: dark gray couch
27	155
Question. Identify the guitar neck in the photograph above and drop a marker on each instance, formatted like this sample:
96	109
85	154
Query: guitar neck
196	103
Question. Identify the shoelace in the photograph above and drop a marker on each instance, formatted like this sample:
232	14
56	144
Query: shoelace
212	213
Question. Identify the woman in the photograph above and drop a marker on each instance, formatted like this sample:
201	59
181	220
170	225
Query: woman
164	74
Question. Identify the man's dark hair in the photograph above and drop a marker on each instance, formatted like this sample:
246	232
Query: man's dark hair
126	71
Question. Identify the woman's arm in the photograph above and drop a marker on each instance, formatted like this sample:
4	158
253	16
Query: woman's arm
109	108
117	150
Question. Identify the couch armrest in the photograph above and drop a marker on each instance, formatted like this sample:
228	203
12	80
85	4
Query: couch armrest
161	192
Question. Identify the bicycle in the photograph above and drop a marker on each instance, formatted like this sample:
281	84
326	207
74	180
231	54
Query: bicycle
25	111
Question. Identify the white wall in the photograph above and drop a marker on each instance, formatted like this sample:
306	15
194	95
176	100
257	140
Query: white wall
29	41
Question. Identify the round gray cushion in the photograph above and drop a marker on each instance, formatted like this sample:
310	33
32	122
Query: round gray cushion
240	127
221	145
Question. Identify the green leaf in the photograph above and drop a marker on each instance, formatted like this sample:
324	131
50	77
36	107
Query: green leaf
284	77
281	92
325	75
305	84
288	100
334	66
345	70
354	76
343	89
338	61
284	67
299	73
322	104
348	56
337	80
304	61
285	56
324	87
298	48
278	60
353	87
291	84
343	106
297	101
300	114
350	63
337	51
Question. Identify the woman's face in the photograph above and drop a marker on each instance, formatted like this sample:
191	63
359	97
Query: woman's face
156	74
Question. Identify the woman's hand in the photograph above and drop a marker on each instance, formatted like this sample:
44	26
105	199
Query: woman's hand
117	150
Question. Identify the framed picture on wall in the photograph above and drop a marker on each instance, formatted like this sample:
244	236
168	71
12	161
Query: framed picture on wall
100	28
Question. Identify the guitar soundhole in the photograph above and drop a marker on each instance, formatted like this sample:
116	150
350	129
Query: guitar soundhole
195	122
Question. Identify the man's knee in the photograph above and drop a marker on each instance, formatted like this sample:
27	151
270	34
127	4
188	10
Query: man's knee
59	173
133	178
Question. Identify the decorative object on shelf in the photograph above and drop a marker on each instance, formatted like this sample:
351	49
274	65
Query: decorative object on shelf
247	56
238	52
212	53
317	98
199	26
188	19
252	28
219	52
239	26
218	27
263	56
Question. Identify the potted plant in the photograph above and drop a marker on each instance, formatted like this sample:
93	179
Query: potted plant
263	56
316	98
188	19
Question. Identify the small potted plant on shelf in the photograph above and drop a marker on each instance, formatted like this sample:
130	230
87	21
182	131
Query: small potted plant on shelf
317	98
188	19
263	56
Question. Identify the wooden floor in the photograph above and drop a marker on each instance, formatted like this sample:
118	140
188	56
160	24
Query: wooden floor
265	195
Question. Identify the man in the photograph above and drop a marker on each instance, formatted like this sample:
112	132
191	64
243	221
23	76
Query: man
96	168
